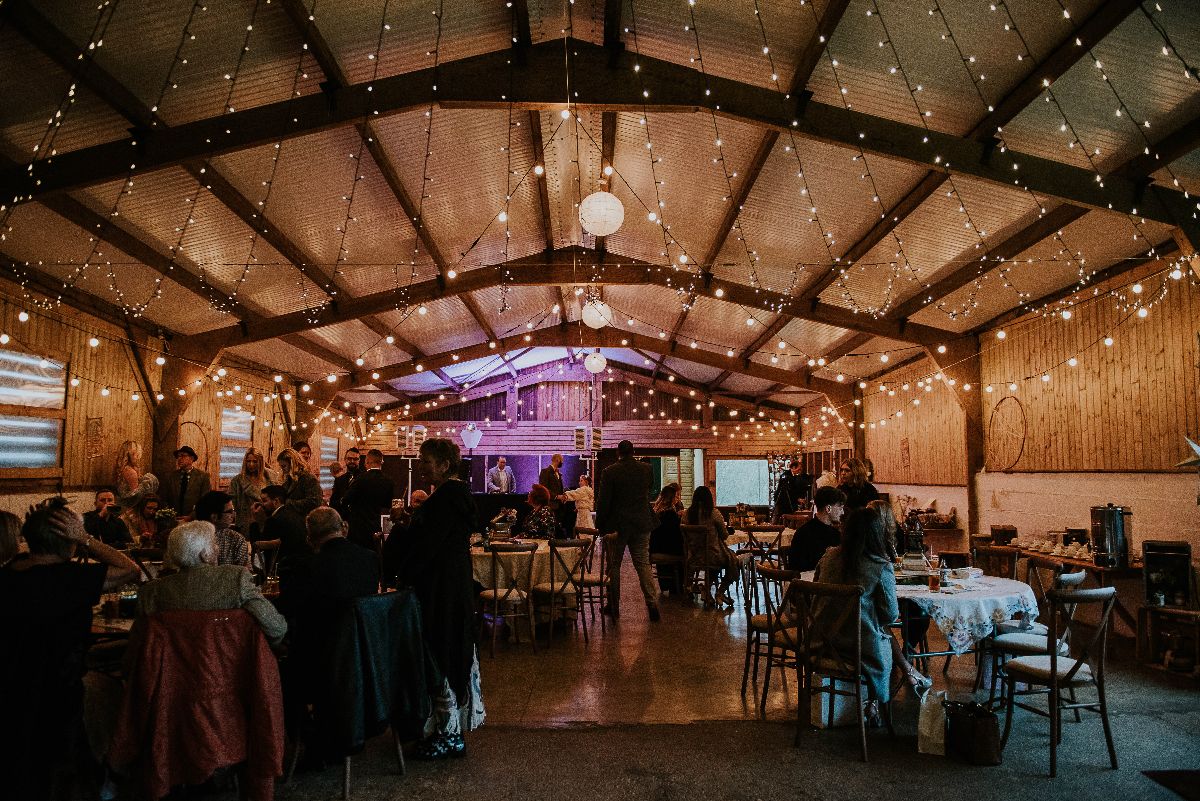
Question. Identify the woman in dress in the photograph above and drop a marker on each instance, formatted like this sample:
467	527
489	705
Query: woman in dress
247	486
862	559
128	478
541	523
585	502
703	512
666	538
437	565
859	491
303	489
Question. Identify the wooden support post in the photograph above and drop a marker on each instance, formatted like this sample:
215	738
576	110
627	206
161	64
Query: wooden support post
1188	249
186	364
597	402
961	362
706	416
510	405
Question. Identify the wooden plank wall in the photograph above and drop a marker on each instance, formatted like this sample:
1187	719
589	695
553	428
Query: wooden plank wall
821	431
489	408
925	444
624	401
534	437
117	417
1123	408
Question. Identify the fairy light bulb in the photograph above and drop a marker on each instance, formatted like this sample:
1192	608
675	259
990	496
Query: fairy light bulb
1108	341
422	310
160	361
93	342
1001	334
538	169
23	316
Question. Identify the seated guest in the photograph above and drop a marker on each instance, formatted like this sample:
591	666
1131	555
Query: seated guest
279	525
46	601
368	498
703	512
202	584
142	522
854	482
302	488
104	522
541	524
335	569
820	532
914	620
862	559
217	508
10	537
666	537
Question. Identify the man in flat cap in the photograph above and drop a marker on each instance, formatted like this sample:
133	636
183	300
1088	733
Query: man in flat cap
184	486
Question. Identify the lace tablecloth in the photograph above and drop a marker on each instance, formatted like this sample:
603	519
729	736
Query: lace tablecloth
965	617
481	565
761	537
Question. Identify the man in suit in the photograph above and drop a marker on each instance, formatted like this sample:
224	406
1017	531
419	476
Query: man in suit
183	487
342	483
333	570
202	584
624	507
500	478
551	478
279	525
369	497
792	494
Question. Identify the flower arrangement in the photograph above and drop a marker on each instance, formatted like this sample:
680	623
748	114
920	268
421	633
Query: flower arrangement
165	515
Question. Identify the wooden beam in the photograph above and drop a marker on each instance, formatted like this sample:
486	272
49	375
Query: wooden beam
1069	51
322	53
476	312
567	267
1166	249
554	336
846	346
1009	248
754	347
601	83
765	146
140	374
381	328
323	353
608	145
539	157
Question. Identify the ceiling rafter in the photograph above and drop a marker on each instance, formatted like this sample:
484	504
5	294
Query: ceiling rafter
472	305
474	82
1070	50
577	266
754	347
1164	250
383	330
555	336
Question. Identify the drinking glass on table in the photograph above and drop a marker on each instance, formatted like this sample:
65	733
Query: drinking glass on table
935	580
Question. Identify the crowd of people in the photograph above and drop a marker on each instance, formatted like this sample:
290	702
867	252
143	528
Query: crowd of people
221	550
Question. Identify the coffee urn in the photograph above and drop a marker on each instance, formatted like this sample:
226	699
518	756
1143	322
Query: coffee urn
1109	530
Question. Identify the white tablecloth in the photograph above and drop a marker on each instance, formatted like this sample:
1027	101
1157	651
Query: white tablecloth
968	616
481	565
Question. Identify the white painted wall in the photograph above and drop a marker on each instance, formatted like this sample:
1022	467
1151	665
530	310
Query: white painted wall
1164	504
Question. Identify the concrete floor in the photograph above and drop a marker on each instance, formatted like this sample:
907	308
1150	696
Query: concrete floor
656	712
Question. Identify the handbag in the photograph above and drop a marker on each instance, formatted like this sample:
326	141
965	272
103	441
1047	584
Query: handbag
973	733
931	724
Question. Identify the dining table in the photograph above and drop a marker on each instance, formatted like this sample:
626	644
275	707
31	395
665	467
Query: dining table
966	611
513	563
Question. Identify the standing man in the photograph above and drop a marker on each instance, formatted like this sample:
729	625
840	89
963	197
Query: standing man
368	498
792	493
624	507
551	479
342	482
104	522
186	484
500	478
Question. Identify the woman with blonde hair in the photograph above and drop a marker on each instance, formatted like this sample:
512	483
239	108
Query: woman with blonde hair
247	486
131	484
303	489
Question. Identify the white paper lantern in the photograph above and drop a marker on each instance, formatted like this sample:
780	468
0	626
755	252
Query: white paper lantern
596	314
471	436
601	213
595	362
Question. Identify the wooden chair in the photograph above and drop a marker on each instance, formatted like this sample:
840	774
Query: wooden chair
827	621
758	625
996	561
782	635
564	590
1056	672
698	572
510	572
598	576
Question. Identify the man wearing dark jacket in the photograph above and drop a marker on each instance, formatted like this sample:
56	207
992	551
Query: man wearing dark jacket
822	532
342	483
369	497
624	507
792	493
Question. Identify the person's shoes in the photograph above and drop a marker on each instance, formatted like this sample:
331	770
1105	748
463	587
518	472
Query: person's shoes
871	714
654	614
440	746
920	684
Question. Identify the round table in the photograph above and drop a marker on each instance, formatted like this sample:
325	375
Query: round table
760	537
967	612
481	565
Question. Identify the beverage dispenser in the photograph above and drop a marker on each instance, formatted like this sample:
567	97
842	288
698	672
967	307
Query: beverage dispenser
1110	530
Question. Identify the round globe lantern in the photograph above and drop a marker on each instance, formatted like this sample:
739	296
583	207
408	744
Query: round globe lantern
601	213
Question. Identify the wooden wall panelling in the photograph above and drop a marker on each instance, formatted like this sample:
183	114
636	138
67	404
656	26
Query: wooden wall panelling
120	418
925	444
1123	408
815	434
480	409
